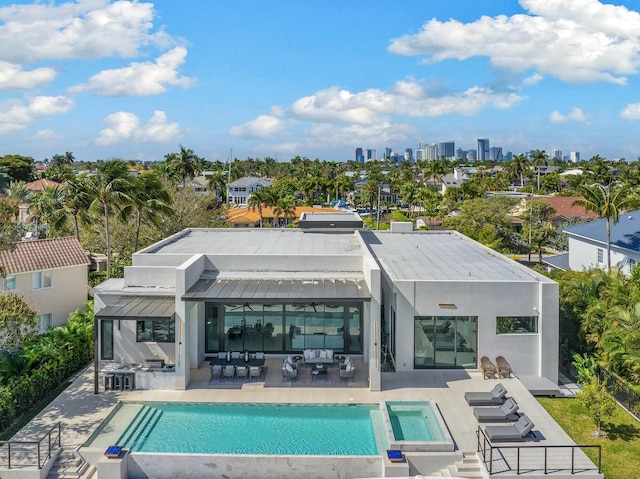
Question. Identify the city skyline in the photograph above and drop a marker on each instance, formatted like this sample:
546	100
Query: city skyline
135	79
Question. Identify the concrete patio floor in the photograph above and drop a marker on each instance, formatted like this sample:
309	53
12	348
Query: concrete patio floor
81	411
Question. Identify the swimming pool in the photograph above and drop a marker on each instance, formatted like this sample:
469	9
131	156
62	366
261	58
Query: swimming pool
212	428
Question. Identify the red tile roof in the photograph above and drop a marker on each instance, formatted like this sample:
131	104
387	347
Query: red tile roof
563	206
36	255
38	186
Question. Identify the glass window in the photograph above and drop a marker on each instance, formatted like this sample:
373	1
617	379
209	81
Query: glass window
212	339
106	339
44	320
600	256
156	331
632	263
41	279
516	324
445	341
10	282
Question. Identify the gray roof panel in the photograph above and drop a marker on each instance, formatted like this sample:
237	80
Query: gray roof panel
130	307
624	234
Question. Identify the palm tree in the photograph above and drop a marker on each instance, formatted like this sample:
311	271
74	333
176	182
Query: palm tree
108	189
74	202
259	198
539	160
518	167
19	194
409	192
285	206
185	163
607	202
218	181
149	200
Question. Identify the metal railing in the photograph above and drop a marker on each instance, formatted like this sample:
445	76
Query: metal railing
487	450
23	451
621	391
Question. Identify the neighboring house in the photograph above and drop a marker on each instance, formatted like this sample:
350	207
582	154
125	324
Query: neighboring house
449	180
564	206
51	274
588	245
238	191
433	300
36	187
243	217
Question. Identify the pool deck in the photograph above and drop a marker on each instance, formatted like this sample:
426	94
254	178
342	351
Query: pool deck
81	411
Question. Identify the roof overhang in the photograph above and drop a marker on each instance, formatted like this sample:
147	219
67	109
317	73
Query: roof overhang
135	307
290	290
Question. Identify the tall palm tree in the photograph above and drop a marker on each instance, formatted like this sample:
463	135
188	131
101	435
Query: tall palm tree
539	160
518	166
186	163
108	189
218	181
607	202
19	194
75	203
259	198
149	201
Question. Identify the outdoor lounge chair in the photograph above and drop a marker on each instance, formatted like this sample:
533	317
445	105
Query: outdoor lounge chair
504	370
488	369
288	372
520	431
495	397
242	372
228	372
255	372
216	371
505	413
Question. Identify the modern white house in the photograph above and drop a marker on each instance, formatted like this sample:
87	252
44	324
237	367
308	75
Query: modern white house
588	244
238	191
429	300
51	274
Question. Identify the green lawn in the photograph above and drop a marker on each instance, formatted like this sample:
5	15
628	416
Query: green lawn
620	452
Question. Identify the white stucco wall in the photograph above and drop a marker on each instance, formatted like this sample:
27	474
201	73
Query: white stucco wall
583	254
68	292
486	300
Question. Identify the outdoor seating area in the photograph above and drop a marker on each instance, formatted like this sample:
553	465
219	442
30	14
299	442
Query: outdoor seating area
236	366
501	368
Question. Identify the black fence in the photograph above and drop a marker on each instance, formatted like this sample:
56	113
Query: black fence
620	390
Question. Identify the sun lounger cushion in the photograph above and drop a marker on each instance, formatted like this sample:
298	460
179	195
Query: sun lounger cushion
495	397
504	413
520	431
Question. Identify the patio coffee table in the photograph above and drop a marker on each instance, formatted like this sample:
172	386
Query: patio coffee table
317	370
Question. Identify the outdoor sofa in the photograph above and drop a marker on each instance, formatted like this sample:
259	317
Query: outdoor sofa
318	356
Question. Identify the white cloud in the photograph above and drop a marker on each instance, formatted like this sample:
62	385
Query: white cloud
125	126
381	133
575	41
576	114
82	29
12	77
405	98
16	115
631	111
262	127
139	79
533	79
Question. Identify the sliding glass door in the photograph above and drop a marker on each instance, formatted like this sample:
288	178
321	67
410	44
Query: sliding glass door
445	342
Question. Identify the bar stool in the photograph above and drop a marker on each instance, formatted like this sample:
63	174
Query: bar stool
127	382
108	381
117	382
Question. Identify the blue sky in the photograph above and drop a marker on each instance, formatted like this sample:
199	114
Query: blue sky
133	80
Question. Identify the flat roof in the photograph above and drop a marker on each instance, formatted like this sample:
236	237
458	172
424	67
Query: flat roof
441	256
257	241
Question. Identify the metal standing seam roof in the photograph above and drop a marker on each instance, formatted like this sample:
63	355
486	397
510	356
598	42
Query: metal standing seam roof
279	289
559	261
140	307
624	234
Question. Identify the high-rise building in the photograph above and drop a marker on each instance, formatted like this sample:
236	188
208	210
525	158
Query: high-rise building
495	153
408	155
460	153
575	156
483	149
557	154
371	155
431	152
359	155
447	149
420	154
387	153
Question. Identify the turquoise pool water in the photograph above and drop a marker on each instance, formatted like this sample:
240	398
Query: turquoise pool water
414	421
246	428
